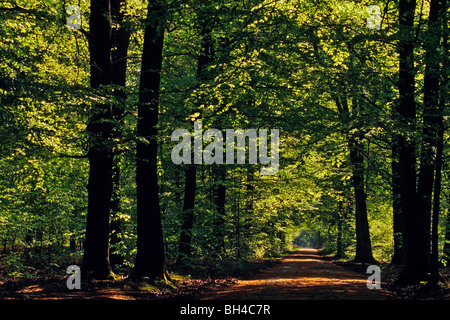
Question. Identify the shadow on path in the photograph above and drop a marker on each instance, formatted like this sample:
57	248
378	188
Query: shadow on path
303	275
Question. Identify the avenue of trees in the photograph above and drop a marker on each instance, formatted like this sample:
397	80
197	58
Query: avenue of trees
87	113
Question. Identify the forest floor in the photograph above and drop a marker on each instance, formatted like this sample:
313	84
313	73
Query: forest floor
304	274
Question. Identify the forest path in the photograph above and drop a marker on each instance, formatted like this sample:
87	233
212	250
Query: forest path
303	275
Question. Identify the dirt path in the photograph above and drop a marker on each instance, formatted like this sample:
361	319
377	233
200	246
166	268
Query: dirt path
303	275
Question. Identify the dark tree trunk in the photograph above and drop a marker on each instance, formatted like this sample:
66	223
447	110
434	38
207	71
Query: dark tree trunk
96	253
219	176
184	249
38	245
427	155
204	58
96	250
28	242
340	231
436	208
443	102
120	43
150	246
363	243
248	222
438	18
404	116
399	250
115	222
446	255
418	263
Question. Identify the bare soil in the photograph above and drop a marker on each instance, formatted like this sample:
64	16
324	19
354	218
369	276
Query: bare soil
303	275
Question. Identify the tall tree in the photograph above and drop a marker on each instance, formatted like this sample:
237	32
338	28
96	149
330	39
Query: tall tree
397	217
219	175
418	226
433	130
405	118
119	51
443	101
150	260
108	47
100	155
204	58
363	242
428	144
355	145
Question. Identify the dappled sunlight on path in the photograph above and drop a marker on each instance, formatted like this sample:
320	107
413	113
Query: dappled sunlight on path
303	274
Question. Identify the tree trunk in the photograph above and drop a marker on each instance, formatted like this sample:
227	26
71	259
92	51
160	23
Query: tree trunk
150	246
439	17
184	249
399	250
96	253
249	213
418	263
363	243
340	231
443	102
204	58
115	223
404	116
436	208
219	176
427	156
120	43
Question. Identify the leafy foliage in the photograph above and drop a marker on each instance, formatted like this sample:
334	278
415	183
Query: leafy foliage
274	64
